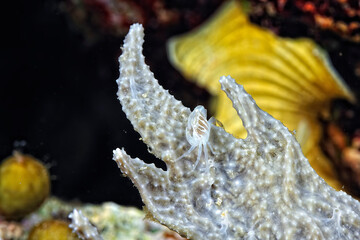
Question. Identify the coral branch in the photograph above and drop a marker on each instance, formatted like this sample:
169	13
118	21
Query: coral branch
261	187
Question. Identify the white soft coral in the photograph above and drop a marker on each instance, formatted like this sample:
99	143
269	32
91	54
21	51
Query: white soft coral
82	226
261	187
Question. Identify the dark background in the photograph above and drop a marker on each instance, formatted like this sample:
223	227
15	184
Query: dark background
59	96
58	99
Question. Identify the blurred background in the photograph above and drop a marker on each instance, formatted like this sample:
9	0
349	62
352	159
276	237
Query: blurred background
58	97
59	65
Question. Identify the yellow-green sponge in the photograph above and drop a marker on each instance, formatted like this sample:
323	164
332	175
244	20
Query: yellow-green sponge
24	185
52	230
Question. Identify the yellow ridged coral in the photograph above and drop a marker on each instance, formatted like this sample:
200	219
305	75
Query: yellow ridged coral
52	230
292	79
24	185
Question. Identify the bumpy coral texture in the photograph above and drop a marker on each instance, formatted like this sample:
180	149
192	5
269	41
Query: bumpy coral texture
261	187
82	226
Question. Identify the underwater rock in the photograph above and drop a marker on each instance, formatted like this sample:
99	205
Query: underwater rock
217	186
111	220
341	17
99	18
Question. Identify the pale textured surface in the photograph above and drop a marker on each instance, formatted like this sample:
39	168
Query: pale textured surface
113	221
82	226
291	79
261	187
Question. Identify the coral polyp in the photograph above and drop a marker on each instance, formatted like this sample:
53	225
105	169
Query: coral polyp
197	134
